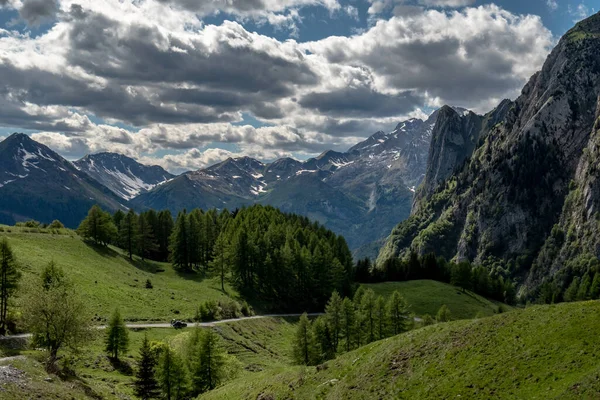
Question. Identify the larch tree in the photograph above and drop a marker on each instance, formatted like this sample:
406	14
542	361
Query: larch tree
9	280
333	315
398	314
117	336
304	343
146	243
348	321
128	233
220	261
367	306
172	375
98	226
179	243
381	317
209	367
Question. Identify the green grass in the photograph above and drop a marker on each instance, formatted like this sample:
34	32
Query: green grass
107	279
259	344
426	297
542	352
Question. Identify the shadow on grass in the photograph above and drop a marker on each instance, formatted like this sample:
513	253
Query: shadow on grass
122	366
109	252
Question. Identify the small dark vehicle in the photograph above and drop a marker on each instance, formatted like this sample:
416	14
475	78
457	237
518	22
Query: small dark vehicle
178	324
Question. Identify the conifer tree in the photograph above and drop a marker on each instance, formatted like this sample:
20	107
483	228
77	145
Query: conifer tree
128	233
145	384
333	314
118	217
179	245
117	336
9	280
571	292
146	243
209	369
595	288
194	245
584	288
380	316
324	342
398	313
304	343
98	226
163	234
172	375
367	306
348	321
220	261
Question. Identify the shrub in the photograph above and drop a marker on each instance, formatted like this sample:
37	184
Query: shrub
229	309
32	224
149	284
247	310
56	224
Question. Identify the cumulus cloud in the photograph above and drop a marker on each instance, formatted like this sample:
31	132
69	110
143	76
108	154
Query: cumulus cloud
183	84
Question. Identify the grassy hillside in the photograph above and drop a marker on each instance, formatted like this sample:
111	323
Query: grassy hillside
260	345
426	297
500	357
108	279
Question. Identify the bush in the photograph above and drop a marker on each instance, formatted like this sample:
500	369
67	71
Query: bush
230	309
32	224
149	284
56	224
247	310
209	311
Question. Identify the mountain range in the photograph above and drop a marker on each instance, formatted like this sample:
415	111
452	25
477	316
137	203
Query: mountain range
361	193
517	190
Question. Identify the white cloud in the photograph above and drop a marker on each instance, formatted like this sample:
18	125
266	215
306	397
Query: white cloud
552	4
579	12
187	85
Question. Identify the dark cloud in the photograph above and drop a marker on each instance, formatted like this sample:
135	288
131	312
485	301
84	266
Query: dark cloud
361	102
140	54
34	12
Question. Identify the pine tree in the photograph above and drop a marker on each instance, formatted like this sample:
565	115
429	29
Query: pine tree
348	321
118	217
128	233
367	307
9	279
117	336
333	314
145	384
398	313
304	343
98	226
209	369
171	375
178	244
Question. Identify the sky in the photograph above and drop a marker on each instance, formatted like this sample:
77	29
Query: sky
187	83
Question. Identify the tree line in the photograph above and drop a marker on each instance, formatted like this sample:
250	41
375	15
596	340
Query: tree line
463	274
271	256
348	324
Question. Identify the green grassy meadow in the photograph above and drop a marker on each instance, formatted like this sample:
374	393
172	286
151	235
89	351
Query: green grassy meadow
426	297
500	357
107	279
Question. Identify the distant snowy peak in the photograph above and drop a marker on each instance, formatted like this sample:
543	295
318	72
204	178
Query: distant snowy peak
123	175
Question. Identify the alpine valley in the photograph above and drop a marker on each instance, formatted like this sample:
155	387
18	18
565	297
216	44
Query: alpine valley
360	194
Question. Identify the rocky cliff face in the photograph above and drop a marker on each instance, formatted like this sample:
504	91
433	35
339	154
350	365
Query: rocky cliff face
494	197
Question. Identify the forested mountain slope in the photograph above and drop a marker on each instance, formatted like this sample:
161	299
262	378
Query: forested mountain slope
522	196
